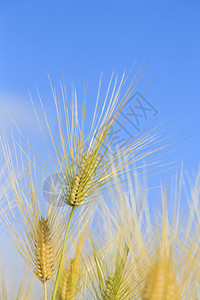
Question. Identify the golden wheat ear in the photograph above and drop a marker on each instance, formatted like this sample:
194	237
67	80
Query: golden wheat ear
71	273
161	282
44	251
82	182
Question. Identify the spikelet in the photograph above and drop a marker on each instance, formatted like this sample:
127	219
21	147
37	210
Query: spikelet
82	183
45	256
160	283
109	293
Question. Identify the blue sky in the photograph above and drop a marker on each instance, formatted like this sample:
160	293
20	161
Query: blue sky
78	40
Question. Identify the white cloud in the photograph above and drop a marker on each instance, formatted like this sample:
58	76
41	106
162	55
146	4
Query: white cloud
18	109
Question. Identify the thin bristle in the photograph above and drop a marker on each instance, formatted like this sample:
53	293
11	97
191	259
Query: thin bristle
45	260
13	288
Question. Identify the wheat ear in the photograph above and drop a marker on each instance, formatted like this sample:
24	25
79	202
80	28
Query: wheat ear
82	181
36	230
109	292
44	267
71	275
45	263
161	283
68	287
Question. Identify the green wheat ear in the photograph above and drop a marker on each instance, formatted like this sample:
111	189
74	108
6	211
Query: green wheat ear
108	269
109	275
109	292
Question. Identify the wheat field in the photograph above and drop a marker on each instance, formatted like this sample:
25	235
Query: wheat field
99	235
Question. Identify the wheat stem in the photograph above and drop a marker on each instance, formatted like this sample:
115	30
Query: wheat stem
45	290
62	254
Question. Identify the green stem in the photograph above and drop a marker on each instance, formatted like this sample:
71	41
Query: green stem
45	290
62	255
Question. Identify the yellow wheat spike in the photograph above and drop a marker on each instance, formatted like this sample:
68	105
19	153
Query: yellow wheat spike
160	283
44	251
71	279
82	182
166	260
71	274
